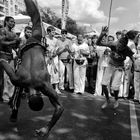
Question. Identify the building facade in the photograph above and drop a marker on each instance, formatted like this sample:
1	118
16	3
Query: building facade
11	7
2	8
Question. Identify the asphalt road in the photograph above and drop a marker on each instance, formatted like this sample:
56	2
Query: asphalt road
83	119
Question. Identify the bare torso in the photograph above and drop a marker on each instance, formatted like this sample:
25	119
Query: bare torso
33	68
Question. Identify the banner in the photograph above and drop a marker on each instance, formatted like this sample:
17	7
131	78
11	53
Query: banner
65	10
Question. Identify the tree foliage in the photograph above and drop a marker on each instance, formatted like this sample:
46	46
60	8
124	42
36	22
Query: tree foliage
48	16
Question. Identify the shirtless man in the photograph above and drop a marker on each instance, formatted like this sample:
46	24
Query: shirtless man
8	42
32	71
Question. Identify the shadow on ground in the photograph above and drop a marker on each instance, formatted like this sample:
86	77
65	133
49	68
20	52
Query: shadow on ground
82	120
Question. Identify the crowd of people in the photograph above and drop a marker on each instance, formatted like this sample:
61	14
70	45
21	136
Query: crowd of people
99	64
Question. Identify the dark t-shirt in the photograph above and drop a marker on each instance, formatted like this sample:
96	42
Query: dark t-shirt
118	55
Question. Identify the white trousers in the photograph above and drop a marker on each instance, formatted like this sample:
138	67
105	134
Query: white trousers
98	88
8	86
137	85
54	70
69	76
79	78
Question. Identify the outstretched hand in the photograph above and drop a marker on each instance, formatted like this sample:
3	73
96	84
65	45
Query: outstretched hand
104	30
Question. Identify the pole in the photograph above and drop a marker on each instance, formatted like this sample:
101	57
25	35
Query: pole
65	9
109	15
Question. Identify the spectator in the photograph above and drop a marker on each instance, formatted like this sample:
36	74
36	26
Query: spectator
111	38
128	64
137	69
91	67
52	58
81	51
9	41
118	35
27	34
64	52
103	58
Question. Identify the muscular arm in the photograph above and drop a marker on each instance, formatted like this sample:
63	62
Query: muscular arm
99	42
60	51
7	43
3	37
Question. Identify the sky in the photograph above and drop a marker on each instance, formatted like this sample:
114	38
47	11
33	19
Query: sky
125	14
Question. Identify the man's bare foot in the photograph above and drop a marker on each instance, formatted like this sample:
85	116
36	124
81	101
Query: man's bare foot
44	131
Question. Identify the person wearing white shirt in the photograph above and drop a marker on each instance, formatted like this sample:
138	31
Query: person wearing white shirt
137	71
81	51
52	58
64	52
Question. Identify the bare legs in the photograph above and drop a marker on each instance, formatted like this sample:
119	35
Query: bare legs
10	71
50	92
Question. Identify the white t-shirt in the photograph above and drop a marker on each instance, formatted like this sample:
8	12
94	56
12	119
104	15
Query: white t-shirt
77	48
52	44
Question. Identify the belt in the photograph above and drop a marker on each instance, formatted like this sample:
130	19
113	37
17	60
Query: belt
65	60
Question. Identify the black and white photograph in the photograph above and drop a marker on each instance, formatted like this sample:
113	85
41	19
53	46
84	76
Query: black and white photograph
69	70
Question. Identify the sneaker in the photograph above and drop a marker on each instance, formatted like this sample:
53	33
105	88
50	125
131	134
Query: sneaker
105	105
116	104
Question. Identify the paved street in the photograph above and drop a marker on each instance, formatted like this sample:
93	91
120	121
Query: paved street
82	119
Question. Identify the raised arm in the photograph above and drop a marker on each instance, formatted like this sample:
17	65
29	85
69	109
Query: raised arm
99	42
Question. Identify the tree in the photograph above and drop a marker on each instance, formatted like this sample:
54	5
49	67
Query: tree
71	26
48	16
